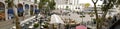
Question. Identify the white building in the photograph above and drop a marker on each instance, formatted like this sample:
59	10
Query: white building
72	4
22	6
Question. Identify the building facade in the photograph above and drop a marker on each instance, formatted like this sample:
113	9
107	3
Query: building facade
24	8
71	4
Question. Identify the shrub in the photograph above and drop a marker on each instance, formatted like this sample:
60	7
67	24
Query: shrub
36	25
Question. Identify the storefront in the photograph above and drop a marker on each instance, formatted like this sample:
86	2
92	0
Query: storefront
26	9
31	9
20	10
36	10
2	11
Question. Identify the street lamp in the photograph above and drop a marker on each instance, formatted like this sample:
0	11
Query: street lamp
82	15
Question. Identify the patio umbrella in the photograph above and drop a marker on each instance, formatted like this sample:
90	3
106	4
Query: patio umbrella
81	27
55	19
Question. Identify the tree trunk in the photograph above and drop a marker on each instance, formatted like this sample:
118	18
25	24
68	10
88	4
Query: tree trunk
96	13
17	19
103	19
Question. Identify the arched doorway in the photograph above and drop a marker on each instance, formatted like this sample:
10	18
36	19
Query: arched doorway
36	10
10	11
36	6
31	9
26	9
20	10
26	6
2	11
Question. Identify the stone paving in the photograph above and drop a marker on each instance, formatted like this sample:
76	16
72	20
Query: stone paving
9	23
75	16
6	24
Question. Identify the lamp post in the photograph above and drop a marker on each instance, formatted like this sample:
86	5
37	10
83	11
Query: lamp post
82	16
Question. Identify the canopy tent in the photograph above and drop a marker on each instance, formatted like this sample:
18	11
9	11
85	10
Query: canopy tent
22	22
55	19
81	27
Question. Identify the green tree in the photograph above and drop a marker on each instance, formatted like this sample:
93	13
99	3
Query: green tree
50	6
67	7
36	25
46	6
12	5
107	4
87	5
42	4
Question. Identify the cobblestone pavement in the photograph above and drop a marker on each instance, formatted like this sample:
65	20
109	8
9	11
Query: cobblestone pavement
6	24
74	16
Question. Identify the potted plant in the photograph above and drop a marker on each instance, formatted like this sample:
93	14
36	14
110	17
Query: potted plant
46	25
36	25
109	17
94	21
67	26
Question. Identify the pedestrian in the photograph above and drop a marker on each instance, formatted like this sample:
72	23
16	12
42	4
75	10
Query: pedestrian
67	26
13	22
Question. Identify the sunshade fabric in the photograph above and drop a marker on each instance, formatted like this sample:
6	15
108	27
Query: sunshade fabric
55	19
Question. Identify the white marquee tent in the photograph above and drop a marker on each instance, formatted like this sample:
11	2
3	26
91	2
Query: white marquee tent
55	19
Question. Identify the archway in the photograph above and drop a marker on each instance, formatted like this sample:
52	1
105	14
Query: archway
26	6
36	10
10	11
31	9
20	10
26	9
36	6
2	11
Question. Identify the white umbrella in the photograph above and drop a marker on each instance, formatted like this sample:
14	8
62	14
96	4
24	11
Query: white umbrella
55	19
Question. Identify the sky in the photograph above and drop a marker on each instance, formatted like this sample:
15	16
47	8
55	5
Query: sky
90	1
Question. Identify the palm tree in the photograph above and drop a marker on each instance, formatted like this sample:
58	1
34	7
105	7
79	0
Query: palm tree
42	4
42	7
51	6
11	3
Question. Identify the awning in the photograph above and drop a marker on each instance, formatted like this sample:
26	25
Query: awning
81	27
55	19
10	11
37	11
20	10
